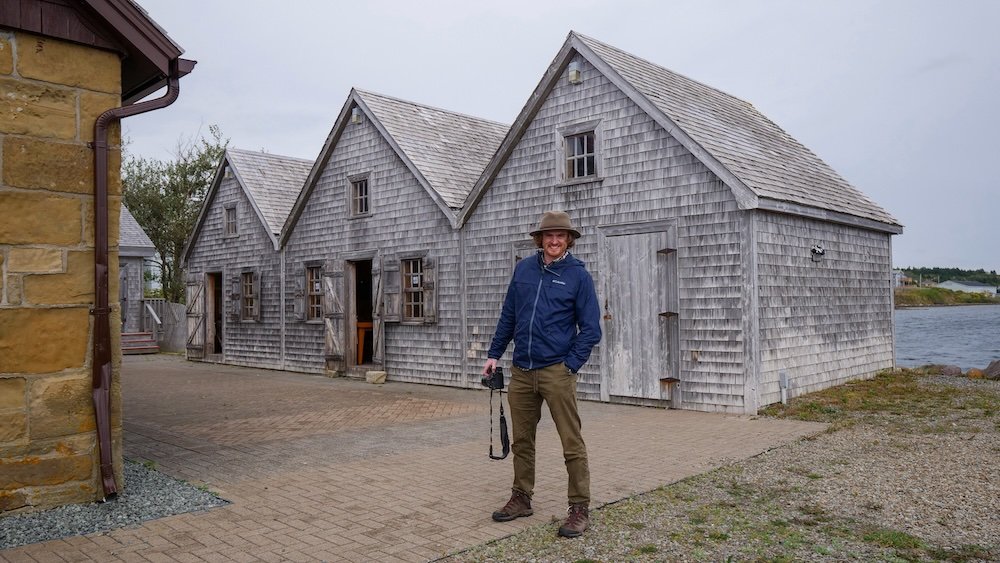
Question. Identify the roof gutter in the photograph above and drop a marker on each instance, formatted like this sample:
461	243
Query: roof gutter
101	383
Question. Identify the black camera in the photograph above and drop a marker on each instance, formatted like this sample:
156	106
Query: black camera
494	380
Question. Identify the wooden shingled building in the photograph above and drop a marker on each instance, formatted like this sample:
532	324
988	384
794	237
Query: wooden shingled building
729	259
731	262
233	262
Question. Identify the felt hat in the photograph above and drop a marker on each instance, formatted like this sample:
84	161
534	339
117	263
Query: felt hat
555	221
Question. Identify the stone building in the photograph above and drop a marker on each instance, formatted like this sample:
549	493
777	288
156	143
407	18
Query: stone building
68	72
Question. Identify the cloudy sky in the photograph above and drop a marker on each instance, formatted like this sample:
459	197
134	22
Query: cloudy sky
899	96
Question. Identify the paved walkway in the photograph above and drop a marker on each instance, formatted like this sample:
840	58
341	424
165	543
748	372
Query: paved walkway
341	470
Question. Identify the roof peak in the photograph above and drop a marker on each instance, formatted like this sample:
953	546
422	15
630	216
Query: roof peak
364	93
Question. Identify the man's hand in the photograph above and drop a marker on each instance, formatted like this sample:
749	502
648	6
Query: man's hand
491	364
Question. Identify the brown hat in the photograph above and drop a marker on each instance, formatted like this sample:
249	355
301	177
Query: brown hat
555	221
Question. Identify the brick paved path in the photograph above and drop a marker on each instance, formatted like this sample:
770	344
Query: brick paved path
339	470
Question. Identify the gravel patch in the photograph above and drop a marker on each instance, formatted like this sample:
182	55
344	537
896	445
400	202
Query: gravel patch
147	495
916	481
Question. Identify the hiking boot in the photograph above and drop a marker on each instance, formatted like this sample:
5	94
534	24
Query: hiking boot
518	505
577	521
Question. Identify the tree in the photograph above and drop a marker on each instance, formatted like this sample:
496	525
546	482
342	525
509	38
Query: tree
166	197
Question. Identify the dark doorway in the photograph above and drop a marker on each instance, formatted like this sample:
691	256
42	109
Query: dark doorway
213	342
363	310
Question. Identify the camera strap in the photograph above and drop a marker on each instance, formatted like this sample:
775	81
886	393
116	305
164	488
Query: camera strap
504	438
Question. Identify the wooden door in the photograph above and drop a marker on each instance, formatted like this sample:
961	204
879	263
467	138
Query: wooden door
196	317
333	316
640	314
378	312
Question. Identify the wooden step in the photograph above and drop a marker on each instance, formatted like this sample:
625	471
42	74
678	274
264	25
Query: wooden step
139	343
128	351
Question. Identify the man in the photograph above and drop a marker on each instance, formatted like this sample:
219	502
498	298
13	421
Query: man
552	315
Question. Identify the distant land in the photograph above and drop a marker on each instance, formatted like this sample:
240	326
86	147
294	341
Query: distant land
938	275
918	289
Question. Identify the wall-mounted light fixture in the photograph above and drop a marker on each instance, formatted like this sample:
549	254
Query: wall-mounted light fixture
818	252
355	115
574	75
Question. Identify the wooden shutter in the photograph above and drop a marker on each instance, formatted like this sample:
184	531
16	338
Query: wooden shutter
299	300
195	317
333	315
258	287
430	291
378	304
392	295
235	307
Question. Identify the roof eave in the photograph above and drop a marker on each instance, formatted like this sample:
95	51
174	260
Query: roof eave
790	208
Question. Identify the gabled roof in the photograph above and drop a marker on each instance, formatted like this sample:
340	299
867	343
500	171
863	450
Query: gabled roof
132	239
271	183
445	151
764	166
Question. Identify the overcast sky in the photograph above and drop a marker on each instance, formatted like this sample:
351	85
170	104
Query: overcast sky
900	97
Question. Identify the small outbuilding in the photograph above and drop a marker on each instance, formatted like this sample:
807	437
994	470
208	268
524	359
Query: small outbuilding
134	249
372	254
233	264
730	261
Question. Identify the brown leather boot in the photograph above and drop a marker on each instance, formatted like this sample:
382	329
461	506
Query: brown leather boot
576	522
518	505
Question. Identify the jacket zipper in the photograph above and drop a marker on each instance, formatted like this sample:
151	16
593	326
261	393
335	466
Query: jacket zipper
531	325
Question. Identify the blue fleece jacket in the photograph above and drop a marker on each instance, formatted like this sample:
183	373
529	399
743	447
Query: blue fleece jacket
551	313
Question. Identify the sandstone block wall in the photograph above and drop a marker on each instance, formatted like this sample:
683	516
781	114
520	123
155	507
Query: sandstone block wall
51	93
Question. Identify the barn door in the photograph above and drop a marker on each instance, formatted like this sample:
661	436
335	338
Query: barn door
378	309
640	314
333	316
195	317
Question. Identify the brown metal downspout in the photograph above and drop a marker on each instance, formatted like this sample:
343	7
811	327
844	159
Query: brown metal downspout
101	311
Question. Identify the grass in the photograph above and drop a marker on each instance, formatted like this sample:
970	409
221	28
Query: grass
926	296
733	513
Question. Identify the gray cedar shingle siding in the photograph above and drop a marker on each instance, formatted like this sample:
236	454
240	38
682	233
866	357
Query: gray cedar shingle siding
647	176
421	162
822	322
740	200
673	149
262	187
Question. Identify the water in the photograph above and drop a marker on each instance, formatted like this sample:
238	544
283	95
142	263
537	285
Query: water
966	336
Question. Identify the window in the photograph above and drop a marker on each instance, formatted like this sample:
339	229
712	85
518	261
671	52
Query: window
359	197
250	301
580	156
413	289
314	293
230	221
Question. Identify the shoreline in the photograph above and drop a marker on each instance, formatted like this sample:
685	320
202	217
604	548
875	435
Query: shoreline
929	305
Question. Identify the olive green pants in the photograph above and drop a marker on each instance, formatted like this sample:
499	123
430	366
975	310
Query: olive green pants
557	387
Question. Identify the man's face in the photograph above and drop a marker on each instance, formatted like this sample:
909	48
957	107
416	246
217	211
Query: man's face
554	244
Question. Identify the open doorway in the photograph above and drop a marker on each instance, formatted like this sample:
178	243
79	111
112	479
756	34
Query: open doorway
362	304
213	313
